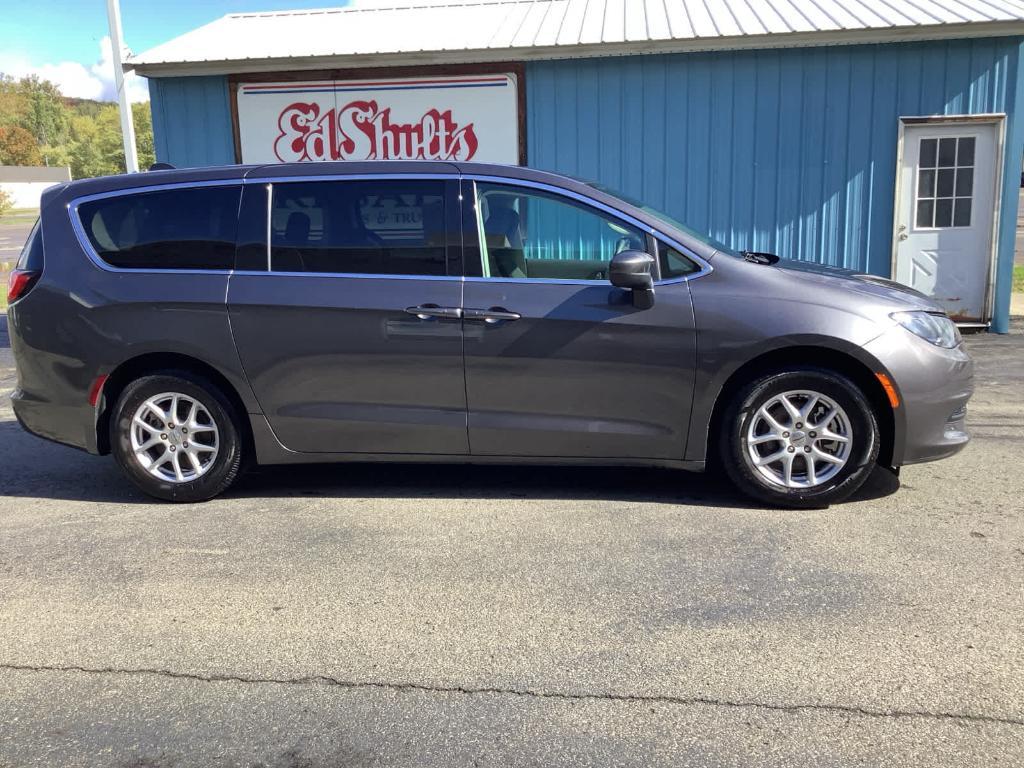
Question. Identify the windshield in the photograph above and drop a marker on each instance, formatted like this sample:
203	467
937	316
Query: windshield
662	216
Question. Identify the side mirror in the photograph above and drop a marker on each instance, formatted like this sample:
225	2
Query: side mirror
632	270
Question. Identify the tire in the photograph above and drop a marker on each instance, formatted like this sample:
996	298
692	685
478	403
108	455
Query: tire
747	430
171	474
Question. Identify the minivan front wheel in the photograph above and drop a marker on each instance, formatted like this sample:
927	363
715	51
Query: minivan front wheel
800	438
176	437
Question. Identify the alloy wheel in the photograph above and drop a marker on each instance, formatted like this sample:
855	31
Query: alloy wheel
799	439
174	437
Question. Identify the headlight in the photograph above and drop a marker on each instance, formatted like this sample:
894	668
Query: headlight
935	329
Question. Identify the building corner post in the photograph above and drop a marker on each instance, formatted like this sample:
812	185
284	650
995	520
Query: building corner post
131	160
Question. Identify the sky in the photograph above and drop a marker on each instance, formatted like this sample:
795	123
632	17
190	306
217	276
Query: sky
67	41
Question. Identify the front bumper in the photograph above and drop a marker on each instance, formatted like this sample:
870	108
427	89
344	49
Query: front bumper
934	386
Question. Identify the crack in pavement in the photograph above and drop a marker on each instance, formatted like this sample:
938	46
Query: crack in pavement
525	693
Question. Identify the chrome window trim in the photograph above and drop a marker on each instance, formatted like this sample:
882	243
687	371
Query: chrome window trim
347	177
482	249
356	275
97	260
540	280
448	278
269	191
683	279
705	266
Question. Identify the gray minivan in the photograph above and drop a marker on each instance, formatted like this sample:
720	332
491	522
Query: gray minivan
193	321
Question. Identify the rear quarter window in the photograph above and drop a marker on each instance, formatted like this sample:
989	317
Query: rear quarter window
165	229
32	252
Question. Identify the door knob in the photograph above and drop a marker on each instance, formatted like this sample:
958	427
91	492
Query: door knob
903	236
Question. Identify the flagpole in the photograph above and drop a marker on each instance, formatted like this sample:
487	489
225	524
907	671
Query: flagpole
131	160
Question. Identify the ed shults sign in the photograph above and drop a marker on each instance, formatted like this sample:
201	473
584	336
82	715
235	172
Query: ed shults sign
473	117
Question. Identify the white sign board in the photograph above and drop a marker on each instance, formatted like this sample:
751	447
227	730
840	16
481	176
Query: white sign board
471	117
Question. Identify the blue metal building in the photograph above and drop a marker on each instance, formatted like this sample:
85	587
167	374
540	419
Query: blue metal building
875	136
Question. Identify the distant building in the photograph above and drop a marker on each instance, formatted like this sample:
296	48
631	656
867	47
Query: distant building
885	137
25	183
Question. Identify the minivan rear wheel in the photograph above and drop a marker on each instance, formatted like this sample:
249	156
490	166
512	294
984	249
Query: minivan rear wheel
176	436
799	438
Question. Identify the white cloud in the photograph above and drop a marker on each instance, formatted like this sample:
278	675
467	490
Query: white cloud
78	81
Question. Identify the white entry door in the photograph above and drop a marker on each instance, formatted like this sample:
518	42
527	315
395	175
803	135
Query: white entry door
945	214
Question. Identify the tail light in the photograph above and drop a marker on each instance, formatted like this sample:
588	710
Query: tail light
20	283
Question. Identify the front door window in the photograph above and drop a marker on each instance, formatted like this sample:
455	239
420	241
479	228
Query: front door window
534	235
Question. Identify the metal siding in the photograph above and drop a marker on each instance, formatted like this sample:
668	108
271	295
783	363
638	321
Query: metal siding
791	151
1012	162
192	121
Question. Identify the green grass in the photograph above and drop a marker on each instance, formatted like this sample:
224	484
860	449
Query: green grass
1018	278
5	270
22	216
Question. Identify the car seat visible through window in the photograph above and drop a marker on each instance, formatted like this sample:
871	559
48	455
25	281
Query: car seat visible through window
504	234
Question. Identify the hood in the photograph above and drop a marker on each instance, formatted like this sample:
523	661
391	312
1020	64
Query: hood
858	283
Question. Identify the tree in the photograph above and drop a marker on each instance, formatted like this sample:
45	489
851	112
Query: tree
38	125
84	154
6	202
143	117
46	116
12	101
18	147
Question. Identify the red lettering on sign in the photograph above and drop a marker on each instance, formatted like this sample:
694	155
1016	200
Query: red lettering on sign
362	131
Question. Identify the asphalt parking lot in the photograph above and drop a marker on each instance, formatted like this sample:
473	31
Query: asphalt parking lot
336	616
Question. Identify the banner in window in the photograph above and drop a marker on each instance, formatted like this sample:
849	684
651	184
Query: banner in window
470	117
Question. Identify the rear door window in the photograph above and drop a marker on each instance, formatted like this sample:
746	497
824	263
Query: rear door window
382	227
191	228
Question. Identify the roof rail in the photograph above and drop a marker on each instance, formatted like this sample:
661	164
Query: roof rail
161	167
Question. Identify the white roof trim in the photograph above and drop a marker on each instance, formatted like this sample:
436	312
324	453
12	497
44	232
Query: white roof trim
370	34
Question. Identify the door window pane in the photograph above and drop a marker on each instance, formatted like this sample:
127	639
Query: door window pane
964	182
945	186
965	151
527	233
947	152
929	150
385	227
945	182
165	229
926	183
925	213
962	215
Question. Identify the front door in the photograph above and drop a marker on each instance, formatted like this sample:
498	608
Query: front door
945	214
559	363
352	339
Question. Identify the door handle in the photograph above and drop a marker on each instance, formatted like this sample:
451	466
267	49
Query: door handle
491	316
432	311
